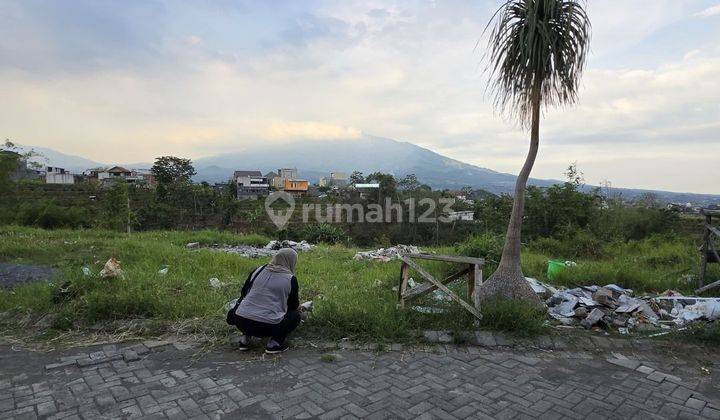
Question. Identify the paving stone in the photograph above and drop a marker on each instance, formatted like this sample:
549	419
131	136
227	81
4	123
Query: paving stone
626	363
458	383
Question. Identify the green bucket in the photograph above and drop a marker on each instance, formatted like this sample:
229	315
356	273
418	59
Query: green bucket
554	268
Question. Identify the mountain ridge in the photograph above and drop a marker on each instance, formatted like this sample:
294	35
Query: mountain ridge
315	158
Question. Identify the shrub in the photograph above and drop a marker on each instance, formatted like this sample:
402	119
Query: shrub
322	232
48	215
487	246
571	245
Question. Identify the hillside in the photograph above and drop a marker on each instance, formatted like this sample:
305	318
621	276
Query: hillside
368	154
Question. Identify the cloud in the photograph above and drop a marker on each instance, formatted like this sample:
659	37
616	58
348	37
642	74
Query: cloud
310	130
710	11
152	78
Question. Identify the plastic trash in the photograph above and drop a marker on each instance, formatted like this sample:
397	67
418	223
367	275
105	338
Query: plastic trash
111	269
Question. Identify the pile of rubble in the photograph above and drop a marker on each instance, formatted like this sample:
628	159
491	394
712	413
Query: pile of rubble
386	254
612	306
255	252
297	246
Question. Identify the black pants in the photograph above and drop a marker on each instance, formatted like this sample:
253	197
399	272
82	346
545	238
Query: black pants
277	332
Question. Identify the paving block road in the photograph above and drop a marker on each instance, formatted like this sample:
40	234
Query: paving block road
157	379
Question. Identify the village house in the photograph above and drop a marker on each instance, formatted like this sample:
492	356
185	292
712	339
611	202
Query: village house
296	186
336	179
367	190
271	176
251	185
282	175
461	216
106	177
55	175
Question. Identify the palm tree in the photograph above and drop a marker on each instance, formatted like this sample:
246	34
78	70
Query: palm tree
537	52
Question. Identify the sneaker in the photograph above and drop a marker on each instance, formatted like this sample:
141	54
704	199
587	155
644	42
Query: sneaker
275	348
244	343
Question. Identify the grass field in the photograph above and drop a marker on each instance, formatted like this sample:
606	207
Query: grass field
352	298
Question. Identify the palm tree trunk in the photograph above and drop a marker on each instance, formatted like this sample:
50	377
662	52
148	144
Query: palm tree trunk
508	281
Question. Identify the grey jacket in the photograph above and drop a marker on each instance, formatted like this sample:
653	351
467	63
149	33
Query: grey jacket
267	296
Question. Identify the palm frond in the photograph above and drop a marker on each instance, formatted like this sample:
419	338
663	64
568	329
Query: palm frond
537	45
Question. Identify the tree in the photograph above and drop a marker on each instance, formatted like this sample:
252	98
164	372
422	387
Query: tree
537	51
388	184
115	204
356	178
409	183
171	170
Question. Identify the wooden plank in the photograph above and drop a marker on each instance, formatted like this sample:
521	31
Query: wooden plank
428	287
714	253
703	256
471	282
713	229
476	295
708	287
404	275
441	286
448	258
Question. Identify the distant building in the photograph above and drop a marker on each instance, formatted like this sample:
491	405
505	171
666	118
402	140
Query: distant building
271	177
336	179
106	177
296	186
284	174
366	190
463	216
251	185
55	175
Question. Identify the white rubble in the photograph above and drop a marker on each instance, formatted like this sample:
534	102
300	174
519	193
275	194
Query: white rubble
386	254
268	250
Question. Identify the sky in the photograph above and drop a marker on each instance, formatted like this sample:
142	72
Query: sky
125	81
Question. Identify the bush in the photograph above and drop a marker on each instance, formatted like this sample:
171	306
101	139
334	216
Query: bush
487	246
322	232
573	244
48	215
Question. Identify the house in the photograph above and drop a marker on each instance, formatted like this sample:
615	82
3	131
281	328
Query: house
366	190
336	179
119	172
55	175
282	175
271	177
251	185
296	186
461	216
106	177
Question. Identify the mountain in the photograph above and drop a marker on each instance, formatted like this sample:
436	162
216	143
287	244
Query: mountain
50	157
367	154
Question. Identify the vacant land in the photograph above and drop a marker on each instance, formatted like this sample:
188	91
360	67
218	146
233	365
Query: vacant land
352	298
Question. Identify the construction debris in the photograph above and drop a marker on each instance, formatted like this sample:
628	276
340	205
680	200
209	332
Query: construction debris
614	307
267	251
297	246
111	269
386	254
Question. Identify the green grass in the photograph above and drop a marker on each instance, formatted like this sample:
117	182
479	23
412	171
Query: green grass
352	298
